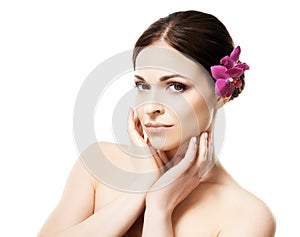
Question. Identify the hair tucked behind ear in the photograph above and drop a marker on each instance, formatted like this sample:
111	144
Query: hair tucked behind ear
201	36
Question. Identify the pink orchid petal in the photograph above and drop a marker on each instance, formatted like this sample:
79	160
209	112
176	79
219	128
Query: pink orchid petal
228	74
224	88
243	66
235	72
219	72
235	54
239	83
227	62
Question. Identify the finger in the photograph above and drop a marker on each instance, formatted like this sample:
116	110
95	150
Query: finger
191	151
202	163
202	151
178	170
156	156
210	156
132	131
163	157
138	124
202	148
188	159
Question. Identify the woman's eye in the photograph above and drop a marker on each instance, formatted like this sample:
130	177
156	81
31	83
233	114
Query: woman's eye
176	87
142	86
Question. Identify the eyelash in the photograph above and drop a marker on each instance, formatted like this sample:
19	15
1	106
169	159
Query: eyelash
178	84
137	84
184	87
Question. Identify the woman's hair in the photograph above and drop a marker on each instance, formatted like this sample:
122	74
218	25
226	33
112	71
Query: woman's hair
198	35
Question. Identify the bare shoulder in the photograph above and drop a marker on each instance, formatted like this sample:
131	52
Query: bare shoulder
107	148
247	215
99	153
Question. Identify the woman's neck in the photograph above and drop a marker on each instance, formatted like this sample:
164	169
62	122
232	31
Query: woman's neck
215	173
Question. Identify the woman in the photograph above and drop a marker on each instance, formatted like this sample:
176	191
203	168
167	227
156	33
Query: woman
186	69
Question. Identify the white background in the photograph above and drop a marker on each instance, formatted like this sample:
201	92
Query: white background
47	49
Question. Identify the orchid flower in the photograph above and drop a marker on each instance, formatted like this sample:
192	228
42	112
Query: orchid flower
227	75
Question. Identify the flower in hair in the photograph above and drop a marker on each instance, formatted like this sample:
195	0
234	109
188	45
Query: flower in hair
227	75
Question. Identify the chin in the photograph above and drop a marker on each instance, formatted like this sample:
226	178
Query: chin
163	143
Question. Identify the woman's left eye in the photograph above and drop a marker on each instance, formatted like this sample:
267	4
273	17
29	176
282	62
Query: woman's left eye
176	87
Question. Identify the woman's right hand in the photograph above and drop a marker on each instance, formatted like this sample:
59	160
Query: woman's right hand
145	157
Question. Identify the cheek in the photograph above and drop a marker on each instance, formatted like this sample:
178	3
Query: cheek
139	112
204	115
194	118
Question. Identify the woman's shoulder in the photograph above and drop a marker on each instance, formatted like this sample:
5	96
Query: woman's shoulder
231	208
241	201
239	208
245	210
110	151
107	147
234	197
223	209
116	154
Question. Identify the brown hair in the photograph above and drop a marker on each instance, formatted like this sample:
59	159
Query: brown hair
200	36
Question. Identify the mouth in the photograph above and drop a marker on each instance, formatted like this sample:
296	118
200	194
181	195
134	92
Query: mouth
157	127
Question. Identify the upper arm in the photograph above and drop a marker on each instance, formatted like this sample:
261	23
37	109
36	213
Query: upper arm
76	203
258	222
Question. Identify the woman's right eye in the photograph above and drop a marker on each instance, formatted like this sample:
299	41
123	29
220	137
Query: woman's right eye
142	86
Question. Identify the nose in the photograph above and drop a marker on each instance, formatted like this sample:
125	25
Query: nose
153	109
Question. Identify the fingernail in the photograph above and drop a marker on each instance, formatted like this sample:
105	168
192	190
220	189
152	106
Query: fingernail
206	135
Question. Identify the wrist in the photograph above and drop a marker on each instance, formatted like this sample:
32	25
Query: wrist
161	210
157	222
158	214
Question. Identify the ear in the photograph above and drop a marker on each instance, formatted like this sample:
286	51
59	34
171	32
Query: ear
222	101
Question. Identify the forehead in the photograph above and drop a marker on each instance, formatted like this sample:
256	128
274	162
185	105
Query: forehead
168	60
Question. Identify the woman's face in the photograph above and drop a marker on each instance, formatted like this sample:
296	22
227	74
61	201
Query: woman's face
175	96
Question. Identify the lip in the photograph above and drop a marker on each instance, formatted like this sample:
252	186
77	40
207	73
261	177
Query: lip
157	127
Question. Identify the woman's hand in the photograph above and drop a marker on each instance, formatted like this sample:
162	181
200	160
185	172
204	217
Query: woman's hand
145	157
180	180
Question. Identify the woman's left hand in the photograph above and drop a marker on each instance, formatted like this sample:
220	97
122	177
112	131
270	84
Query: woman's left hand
180	180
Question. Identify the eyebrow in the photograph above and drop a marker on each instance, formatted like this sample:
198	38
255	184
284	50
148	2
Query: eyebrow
164	78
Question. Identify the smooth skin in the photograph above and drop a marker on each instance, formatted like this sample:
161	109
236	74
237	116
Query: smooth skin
214	206
201	198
